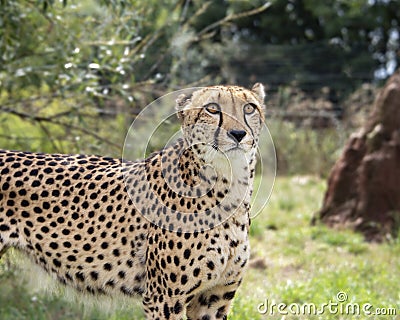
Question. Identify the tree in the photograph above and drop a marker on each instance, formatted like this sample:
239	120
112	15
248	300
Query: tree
338	44
55	81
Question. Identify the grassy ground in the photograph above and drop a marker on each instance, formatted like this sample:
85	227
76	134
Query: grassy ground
293	264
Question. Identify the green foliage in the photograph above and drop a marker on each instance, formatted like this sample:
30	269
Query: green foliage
313	44
302	150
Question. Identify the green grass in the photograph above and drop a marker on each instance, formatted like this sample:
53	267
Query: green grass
292	262
296	263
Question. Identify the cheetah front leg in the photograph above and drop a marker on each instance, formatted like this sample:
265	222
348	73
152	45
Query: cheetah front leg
212	304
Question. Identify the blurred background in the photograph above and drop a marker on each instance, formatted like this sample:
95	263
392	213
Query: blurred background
74	74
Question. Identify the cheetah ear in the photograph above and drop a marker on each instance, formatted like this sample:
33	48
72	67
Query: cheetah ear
258	89
181	102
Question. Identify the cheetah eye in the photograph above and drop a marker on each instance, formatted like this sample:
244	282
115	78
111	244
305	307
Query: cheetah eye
212	108
249	108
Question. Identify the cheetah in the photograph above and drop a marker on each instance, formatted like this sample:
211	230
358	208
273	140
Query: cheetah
172	228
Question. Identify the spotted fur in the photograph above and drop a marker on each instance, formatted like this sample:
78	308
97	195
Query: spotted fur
172	228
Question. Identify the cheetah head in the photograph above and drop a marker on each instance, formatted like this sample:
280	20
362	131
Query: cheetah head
222	122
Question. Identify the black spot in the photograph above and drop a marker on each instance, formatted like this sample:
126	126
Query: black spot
94	275
176	261
87	247
104	185
213	299
203	300
107	266
80	276
210	265
35	183
60	220
49	181
67	244
25	214
46	205
34	196
56	263
110	283
53	245
177	307
34	172
66	183
184	279
71	258
196	272
167	313
27	232
37	210
104	245
229	295
233	243
4	227
44	194
24	203
221	313
186	254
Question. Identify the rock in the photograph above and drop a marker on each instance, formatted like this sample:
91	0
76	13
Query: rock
364	184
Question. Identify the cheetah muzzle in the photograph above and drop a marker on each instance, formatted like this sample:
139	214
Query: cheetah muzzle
172	228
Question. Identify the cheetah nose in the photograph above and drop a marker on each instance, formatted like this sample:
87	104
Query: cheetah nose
237	135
